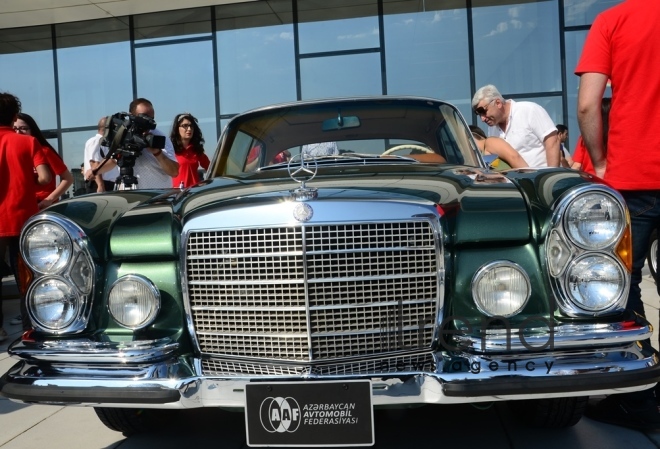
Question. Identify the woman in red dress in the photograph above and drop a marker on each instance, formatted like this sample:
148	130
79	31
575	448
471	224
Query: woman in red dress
189	150
49	193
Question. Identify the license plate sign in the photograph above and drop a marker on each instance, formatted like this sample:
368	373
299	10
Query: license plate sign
337	413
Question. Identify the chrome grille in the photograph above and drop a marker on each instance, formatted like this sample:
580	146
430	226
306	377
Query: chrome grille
313	293
414	362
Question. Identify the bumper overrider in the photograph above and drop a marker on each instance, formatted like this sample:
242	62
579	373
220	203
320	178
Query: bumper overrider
582	360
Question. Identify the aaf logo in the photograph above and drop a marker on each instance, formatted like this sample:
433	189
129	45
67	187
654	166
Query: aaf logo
280	415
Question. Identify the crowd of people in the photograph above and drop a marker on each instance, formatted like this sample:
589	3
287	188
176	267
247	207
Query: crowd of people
34	176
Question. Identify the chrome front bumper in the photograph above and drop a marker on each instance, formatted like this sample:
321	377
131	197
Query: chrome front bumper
174	382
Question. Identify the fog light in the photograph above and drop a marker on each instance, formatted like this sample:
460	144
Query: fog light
501	288
134	301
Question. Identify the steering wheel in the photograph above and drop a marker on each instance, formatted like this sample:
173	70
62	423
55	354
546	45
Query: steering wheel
407	146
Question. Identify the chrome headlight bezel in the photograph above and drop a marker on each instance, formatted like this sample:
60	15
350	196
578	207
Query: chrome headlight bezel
566	246
77	271
492	268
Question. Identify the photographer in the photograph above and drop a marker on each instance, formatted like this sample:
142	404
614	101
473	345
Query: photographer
154	168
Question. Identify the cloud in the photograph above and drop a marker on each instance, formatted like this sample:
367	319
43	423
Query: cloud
374	32
514	23
283	36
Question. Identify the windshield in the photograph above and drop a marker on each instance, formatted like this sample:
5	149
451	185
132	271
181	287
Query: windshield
365	131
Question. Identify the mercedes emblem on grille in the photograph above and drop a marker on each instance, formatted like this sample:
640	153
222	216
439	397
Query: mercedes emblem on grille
303	212
302	168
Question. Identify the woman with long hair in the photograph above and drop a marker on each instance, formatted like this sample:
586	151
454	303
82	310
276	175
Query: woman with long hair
186	137
49	193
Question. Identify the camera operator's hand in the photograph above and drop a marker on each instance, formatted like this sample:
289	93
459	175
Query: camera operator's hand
168	165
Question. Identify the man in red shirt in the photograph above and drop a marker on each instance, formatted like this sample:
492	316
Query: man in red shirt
20	156
622	47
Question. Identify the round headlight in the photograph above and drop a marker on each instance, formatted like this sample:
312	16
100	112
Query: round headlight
595	220
47	247
53	304
501	289
595	282
134	301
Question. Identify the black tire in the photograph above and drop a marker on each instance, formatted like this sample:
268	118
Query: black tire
130	421
556	413
651	256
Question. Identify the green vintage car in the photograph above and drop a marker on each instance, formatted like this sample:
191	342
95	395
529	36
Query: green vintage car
340	255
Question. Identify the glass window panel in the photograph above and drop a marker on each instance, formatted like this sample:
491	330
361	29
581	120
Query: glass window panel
73	147
516	46
552	105
574	42
341	76
177	88
583	12
256	67
256	55
26	59
163	26
338	25
427	50
95	78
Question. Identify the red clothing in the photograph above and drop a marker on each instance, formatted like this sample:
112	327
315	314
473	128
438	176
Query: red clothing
19	154
57	167
623	44
189	163
581	155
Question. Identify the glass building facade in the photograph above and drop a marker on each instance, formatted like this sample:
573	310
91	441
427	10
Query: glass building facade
218	61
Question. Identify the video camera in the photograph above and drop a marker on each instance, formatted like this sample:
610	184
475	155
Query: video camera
126	136
129	133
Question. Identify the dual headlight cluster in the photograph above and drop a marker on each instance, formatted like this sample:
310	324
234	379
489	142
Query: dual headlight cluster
587	256
588	252
59	298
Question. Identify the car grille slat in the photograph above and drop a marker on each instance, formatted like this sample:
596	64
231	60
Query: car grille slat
313	293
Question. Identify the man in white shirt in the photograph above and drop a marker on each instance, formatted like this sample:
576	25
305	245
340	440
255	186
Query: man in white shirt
154	168
93	158
525	125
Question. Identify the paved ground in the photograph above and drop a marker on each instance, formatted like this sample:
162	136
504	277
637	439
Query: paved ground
54	427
